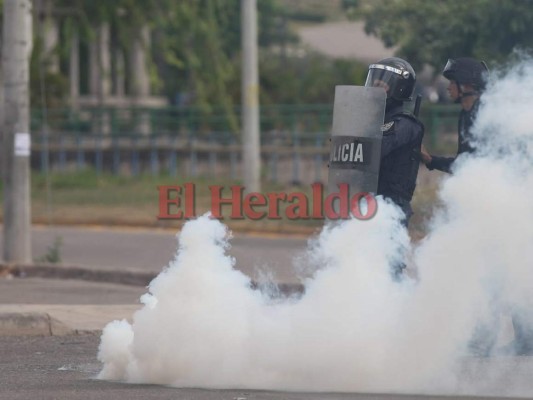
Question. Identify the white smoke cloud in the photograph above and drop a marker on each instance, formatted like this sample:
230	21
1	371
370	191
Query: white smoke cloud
355	329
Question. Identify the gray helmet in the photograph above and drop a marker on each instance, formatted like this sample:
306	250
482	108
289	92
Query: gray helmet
466	71
395	75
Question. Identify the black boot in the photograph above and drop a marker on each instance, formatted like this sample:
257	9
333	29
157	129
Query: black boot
523	333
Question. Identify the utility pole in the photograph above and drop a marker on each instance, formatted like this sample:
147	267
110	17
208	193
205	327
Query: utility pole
16	51
250	98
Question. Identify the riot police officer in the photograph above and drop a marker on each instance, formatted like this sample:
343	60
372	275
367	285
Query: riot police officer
467	82
402	132
467	78
402	137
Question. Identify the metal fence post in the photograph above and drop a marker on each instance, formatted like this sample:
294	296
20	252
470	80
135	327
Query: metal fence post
173	159
212	155
62	154
233	159
99	158
295	157
116	156
135	170
318	157
274	158
44	153
154	156
80	156
193	156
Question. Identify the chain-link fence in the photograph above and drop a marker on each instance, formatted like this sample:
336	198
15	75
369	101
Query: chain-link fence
188	142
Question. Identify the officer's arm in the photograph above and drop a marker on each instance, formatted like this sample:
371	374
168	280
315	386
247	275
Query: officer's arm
388	144
401	133
443	164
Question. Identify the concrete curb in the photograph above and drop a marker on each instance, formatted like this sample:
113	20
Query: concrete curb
124	277
54	271
60	319
286	230
31	324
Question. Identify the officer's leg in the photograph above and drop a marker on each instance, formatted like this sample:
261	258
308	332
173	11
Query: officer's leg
486	332
398	268
484	337
523	331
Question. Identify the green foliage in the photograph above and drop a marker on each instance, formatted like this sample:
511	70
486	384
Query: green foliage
86	179
312	10
308	80
53	252
433	31
193	53
53	85
196	51
127	16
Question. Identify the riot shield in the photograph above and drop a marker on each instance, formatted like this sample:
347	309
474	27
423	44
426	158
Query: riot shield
356	136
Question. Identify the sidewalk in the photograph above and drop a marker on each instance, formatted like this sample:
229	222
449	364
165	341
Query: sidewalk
35	306
40	306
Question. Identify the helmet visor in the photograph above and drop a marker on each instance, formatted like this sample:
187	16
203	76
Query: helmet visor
387	77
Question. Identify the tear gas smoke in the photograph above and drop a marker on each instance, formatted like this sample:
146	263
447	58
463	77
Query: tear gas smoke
355	329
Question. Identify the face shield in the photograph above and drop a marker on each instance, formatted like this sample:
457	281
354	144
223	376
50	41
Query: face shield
389	78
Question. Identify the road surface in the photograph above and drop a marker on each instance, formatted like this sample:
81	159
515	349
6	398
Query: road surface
151	250
64	368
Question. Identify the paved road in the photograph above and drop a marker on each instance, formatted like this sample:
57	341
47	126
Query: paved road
151	250
64	368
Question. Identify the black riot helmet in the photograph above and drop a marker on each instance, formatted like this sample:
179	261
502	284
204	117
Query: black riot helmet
466	71
395	75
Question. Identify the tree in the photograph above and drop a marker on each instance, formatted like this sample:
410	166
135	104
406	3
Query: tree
198	51
195	51
433	31
307	80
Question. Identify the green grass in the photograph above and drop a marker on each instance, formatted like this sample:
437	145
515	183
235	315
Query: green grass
87	198
86	188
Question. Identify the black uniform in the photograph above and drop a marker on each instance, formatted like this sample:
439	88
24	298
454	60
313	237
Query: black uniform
466	120
402	138
485	334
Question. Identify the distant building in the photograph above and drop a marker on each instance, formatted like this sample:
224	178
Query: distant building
344	40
